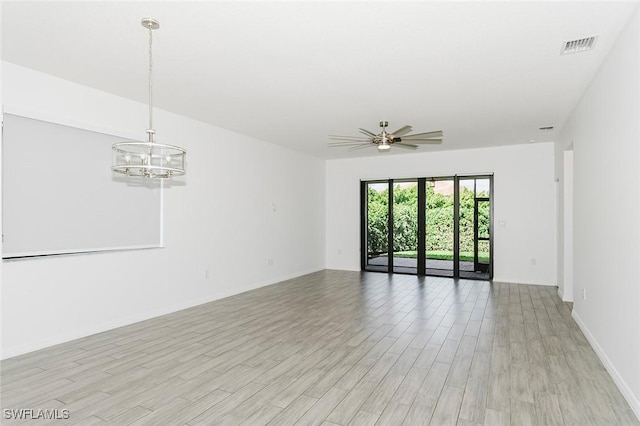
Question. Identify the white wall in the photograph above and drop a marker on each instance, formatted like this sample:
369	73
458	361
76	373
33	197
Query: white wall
563	166
1	159
524	202
566	285
558	157
605	131
242	202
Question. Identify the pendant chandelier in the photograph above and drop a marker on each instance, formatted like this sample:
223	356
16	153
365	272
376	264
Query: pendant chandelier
149	159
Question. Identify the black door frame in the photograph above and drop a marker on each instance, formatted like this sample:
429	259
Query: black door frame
422	225
475	221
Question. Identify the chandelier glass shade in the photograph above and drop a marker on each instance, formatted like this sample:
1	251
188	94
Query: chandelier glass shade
148	159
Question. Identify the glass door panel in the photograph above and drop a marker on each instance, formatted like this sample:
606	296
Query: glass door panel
475	227
377	226
482	255
482	238
405	226
466	194
439	227
483	188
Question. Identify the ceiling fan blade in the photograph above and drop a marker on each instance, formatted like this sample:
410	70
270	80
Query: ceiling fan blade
435	134
349	138
423	140
367	145
401	131
333	144
366	132
405	145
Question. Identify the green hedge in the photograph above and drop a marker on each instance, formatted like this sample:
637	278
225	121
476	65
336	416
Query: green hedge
405	224
483	257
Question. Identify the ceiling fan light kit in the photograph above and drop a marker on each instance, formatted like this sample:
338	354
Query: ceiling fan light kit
384	140
148	159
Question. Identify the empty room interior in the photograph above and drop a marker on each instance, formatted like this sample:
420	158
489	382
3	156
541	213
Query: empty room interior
336	213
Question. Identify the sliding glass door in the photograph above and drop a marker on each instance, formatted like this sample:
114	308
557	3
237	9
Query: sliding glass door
428	226
475	227
439	235
376	197
405	226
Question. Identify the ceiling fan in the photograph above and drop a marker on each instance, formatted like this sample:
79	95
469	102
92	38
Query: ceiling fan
384	139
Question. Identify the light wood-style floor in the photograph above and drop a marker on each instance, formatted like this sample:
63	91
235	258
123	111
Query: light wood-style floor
334	347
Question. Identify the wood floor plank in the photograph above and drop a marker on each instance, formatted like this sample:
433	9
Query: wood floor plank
363	418
162	414
409	387
321	409
474	401
350	405
261	398
131	416
419	414
334	347
382	394
262	416
286	396
496	418
431	387
547	409
393	414
448	406
216	411
523	413
294	411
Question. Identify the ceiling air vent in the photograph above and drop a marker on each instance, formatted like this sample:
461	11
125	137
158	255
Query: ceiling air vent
579	45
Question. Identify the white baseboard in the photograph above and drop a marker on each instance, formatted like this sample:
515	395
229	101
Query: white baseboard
565	296
626	391
343	268
517	281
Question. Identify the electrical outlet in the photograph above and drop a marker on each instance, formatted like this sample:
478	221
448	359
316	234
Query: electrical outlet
207	274
269	262
533	261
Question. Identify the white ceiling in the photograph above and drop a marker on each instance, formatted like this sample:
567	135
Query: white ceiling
291	73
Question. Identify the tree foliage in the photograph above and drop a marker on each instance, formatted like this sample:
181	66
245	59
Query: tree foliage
439	218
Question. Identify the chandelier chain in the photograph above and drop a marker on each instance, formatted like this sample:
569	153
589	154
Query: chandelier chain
150	83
